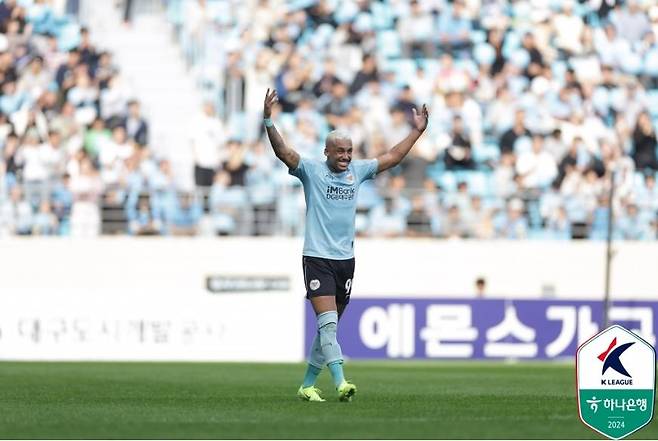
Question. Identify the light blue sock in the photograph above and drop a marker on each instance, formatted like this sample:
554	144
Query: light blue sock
336	369
312	373
327	329
315	362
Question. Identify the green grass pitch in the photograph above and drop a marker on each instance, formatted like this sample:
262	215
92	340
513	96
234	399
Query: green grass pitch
226	400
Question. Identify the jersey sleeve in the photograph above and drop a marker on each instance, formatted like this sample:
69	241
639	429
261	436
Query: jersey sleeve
301	171
365	169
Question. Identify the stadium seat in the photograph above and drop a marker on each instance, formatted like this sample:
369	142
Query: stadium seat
484	53
477	182
617	98
486	152
431	66
478	37
651	63
389	44
652	102
382	16
448	181
68	36
601	100
345	12
632	64
559	69
586	68
468	65
404	68
512	43
638	180
520	58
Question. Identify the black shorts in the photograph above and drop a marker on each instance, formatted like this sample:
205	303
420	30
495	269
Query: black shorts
328	277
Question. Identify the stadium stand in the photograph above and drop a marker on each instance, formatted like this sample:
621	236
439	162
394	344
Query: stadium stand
533	104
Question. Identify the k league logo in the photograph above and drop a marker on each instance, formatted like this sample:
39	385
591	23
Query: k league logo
616	379
610	357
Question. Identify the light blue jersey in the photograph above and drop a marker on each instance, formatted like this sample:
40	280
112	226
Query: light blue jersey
331	206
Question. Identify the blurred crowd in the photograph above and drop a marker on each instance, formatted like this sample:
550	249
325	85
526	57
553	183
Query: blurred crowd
535	105
536	108
71	133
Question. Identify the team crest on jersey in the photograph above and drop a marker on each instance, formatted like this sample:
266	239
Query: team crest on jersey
315	284
350	178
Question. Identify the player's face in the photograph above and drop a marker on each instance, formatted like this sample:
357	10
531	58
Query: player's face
339	155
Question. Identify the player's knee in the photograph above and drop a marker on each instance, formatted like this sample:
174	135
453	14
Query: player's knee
328	327
328	334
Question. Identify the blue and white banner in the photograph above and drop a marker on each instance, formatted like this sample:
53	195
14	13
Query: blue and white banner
478	328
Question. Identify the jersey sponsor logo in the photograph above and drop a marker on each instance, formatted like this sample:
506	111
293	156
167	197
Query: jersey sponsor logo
340	193
315	284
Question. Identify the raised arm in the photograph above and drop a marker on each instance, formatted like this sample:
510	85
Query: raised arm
281	150
394	156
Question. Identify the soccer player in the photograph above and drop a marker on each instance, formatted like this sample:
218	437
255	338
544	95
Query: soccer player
330	190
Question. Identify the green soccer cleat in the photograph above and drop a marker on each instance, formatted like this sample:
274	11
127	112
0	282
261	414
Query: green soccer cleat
310	393
346	391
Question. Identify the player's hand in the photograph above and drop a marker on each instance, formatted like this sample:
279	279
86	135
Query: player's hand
420	121
270	99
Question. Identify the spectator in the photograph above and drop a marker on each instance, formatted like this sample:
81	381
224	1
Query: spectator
633	225
208	138
367	74
35	169
112	155
568	28
234	85
452	225
647	195
513	225
405	102
336	104
630	21
518	130
35	81
327	80
186	216
87	188
536	167
418	220
235	164
227	204
15	214
12	99
95	136
536	58
416	31
480	287
458	156
478	220
45	222
645	144
558	225
387	221
454	28
142	219
113	101
135	125
503	176
64	75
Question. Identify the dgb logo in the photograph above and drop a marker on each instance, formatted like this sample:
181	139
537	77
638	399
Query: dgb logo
616	380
